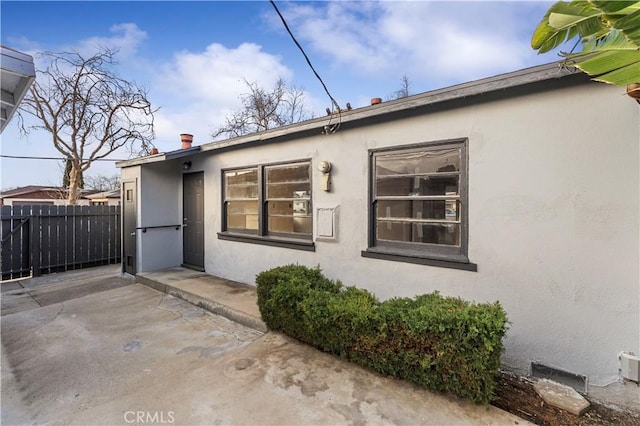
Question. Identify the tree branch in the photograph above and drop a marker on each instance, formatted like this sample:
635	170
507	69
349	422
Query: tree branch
87	108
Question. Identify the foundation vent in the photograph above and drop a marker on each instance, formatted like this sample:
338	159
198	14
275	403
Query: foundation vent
577	381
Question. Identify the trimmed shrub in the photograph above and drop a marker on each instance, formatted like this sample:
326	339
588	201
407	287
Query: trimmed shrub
334	322
442	343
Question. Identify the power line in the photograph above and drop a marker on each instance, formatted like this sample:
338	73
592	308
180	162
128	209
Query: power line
19	157
335	104
303	52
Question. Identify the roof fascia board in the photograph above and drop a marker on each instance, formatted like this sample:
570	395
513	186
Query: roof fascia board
17	63
141	160
536	74
173	155
28	190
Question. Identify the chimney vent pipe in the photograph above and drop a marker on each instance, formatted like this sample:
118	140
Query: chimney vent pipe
186	140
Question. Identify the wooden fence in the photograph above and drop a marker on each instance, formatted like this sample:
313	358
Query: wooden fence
41	239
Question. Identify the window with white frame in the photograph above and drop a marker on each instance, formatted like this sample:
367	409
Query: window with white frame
268	201
419	203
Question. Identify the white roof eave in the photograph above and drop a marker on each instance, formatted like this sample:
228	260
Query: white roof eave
180	153
17	74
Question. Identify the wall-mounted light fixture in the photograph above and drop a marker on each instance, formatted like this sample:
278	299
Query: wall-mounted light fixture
325	168
186	165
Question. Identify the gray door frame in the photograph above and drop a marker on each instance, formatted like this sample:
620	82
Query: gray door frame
193	220
129	202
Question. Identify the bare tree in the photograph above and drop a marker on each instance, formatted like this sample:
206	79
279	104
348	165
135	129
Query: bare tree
264	110
403	91
102	182
89	111
68	165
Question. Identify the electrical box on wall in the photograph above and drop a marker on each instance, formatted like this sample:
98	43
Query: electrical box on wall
325	223
629	366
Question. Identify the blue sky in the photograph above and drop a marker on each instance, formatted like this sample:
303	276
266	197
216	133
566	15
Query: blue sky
193	56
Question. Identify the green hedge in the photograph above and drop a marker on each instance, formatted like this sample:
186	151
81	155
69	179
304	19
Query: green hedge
442	343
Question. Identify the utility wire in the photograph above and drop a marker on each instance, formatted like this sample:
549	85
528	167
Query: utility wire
303	52
54	158
284	22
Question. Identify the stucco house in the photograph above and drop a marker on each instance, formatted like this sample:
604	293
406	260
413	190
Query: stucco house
56	196
104	198
39	195
522	188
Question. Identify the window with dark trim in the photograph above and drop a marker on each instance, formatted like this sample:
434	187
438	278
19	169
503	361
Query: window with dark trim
241	200
419	205
288	199
269	204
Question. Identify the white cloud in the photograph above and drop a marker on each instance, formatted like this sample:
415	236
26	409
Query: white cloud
217	73
438	41
24	45
197	89
126	39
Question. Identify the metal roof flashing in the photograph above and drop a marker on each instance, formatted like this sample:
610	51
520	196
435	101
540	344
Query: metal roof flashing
172	155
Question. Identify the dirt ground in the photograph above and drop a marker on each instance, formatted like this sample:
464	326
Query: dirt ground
517	396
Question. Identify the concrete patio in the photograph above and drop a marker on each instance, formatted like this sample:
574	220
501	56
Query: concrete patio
238	302
231	299
132	354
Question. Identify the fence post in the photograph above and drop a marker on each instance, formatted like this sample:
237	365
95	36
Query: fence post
34	236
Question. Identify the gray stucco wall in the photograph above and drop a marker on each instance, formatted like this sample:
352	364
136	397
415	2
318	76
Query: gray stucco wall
160	202
553	219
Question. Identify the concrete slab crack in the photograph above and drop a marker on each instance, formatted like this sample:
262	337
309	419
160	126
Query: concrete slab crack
38	328
60	309
177	315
